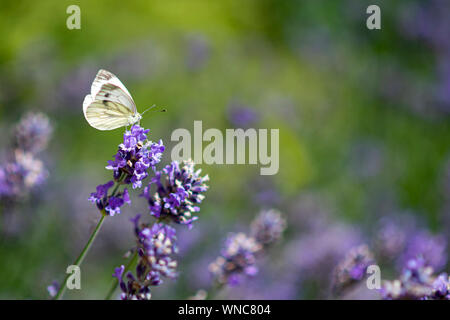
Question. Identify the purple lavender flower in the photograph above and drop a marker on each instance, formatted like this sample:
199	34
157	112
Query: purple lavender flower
131	288
237	259
155	247
111	203
178	191
268	227
156	244
352	268
135	156
33	132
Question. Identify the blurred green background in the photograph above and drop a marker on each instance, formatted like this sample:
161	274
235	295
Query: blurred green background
360	127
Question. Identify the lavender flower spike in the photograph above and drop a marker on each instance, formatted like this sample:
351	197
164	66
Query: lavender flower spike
155	248
179	188
135	156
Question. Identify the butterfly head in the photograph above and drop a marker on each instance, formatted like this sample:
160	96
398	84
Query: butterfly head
135	118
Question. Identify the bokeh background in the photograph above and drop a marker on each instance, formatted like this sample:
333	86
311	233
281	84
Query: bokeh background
363	118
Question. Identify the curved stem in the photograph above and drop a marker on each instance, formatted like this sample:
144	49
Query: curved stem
83	253
116	281
119	182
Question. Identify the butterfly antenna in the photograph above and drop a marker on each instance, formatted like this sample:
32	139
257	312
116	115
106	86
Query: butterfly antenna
153	106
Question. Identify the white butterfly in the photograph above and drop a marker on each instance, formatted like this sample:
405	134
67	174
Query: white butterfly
109	106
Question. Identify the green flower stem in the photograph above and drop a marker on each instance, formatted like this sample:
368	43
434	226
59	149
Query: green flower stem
118	183
88	245
82	254
116	281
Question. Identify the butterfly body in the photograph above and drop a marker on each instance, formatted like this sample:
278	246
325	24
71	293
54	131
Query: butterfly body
109	105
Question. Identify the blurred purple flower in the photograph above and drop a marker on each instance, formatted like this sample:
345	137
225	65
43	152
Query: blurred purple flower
314	254
398	238
178	191
272	282
22	175
268	227
393	234
431	248
441	287
417	281
267	197
33	132
198	52
428	21
443	86
237	260
23	172
72	87
241	116
352	268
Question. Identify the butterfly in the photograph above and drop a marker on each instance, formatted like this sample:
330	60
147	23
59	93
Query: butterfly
110	105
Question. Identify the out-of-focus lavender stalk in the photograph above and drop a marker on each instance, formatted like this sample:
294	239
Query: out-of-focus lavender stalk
24	171
239	256
417	281
33	132
352	268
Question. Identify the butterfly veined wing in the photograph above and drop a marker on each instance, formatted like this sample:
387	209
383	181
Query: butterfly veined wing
104	76
110	105
113	93
106	115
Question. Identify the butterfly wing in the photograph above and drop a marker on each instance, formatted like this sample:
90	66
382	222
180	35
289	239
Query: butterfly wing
109	106
103	77
105	116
